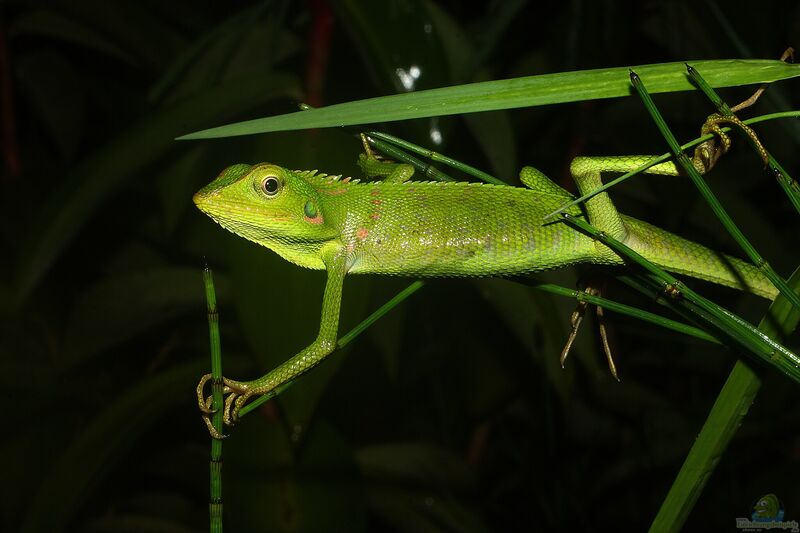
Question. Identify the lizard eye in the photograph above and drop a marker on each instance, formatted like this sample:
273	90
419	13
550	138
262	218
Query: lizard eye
270	185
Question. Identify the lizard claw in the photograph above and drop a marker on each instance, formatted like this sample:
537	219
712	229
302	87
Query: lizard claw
235	400
212	430
203	403
237	394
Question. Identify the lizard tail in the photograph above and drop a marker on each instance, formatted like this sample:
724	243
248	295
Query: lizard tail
682	256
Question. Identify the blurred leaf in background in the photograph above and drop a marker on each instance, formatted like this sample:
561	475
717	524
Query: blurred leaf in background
451	413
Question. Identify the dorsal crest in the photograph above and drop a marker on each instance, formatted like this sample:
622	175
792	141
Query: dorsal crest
323	182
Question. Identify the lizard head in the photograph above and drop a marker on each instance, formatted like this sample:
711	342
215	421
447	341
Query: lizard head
269	205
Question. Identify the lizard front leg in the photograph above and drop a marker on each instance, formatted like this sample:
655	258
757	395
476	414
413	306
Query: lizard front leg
238	393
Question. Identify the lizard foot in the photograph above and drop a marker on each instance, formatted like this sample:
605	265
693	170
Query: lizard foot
575	321
706	154
236	393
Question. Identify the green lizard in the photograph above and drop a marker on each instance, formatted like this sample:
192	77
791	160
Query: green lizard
398	226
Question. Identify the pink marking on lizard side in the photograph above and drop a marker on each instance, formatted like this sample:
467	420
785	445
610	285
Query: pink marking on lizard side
362	233
375	216
315	220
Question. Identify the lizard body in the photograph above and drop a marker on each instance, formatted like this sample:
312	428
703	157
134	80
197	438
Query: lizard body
430	229
436	229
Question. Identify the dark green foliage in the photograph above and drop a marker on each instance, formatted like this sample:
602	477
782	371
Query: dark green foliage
449	414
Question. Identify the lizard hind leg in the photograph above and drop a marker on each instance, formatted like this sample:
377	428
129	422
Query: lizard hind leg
372	166
708	153
536	180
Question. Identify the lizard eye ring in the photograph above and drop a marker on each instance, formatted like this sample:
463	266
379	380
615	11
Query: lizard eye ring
270	185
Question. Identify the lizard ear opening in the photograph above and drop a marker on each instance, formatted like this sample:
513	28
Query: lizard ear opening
270	185
311	213
310	210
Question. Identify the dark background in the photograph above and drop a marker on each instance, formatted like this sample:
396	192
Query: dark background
451	413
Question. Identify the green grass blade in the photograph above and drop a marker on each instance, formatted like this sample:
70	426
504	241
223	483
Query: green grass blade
511	93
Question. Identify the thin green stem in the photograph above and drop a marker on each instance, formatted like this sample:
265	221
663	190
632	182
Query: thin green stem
345	339
215	463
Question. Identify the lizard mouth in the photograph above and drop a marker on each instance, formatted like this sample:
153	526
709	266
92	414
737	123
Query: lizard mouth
237	216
